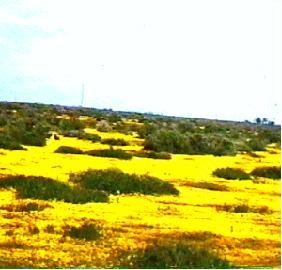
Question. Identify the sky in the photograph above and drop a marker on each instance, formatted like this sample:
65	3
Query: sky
219	59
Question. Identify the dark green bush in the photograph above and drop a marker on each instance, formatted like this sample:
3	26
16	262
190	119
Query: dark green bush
68	150
81	135
180	256
256	144
113	141
231	173
193	144
48	189
267	172
7	142
33	138
111	153
71	124
85	232
113	180
244	208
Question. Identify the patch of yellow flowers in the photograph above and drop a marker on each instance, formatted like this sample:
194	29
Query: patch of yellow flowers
128	222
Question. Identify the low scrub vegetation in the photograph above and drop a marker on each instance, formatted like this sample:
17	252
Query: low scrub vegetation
267	172
114	180
231	173
48	189
110	153
7	142
113	141
68	150
244	208
179	255
153	154
87	232
26	207
206	185
82	135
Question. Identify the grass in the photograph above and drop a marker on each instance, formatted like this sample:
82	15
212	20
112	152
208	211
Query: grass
206	185
179	255
114	180
110	153
273	172
68	150
231	173
48	189
87	231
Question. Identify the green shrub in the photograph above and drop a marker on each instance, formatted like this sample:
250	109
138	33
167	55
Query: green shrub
81	135
231	173
193	144
48	189
113	180
71	124
85	232
113	141
111	153
256	144
267	172
68	150
7	142
181	256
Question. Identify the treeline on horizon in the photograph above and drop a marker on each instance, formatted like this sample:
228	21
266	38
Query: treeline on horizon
31	124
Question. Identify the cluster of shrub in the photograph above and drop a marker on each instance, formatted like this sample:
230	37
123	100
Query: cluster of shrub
272	172
110	153
89	186
206	137
22	129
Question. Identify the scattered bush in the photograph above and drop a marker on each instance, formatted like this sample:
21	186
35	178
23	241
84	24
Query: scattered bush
231	173
113	141
48	189
85	232
113	180
179	255
68	150
267	172
111	153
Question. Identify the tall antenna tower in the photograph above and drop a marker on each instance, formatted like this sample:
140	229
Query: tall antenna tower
82	95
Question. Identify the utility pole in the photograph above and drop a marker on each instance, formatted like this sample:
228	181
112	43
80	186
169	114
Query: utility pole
82	95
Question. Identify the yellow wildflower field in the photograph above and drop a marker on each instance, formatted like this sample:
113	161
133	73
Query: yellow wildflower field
130	222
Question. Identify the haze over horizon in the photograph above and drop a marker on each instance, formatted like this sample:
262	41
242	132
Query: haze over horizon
217	59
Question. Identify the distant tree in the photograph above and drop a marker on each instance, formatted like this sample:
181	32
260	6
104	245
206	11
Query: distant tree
264	121
258	121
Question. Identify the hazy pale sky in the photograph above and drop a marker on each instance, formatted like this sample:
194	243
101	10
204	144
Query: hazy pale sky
195	58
